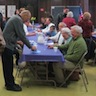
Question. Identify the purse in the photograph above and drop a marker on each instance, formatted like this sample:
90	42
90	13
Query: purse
2	42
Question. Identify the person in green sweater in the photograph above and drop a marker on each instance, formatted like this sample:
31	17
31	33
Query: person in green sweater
12	31
74	50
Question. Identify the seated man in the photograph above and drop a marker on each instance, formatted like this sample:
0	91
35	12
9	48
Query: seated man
48	23
75	48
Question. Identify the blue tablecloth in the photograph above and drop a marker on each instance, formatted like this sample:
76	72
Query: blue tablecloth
30	29
45	54
94	36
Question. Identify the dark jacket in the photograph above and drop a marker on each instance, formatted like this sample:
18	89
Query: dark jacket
14	30
60	17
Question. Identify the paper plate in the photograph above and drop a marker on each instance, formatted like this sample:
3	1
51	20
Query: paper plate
36	52
50	43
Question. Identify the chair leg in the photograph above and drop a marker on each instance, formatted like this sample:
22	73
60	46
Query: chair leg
67	78
22	76
85	77
17	72
84	82
94	61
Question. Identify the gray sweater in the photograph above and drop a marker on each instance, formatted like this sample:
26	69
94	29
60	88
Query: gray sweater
14	31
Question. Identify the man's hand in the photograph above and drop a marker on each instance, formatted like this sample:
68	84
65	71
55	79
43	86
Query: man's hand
48	38
33	48
39	30
20	43
50	46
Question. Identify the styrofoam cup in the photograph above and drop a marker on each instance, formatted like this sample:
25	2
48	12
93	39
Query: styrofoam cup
55	49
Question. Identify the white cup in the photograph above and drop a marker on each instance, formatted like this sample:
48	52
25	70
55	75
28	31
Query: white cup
55	49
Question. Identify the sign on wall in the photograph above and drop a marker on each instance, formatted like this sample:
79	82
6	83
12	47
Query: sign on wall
10	10
2	10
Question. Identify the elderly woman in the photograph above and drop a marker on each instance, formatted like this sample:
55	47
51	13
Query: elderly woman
66	33
69	20
87	27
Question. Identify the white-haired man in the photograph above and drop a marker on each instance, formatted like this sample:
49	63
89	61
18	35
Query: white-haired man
75	48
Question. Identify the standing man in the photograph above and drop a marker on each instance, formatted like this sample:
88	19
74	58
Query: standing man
12	31
62	15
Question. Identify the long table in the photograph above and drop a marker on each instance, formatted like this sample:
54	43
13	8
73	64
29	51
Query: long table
45	55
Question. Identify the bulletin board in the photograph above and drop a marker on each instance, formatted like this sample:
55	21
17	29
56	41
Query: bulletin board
10	10
2	10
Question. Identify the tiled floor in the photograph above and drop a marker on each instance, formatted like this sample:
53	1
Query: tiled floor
74	89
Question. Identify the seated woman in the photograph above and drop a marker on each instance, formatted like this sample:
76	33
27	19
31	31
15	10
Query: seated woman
66	33
52	31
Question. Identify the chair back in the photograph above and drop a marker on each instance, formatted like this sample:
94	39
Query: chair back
82	59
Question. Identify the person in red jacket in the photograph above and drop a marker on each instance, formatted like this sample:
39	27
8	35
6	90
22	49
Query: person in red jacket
87	27
69	20
86	24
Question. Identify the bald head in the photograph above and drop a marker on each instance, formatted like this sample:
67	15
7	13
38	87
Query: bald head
61	25
25	15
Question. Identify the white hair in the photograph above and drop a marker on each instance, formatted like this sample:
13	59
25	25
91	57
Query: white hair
66	30
77	28
70	14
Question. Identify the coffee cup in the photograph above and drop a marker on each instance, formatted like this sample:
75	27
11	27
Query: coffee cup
55	49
